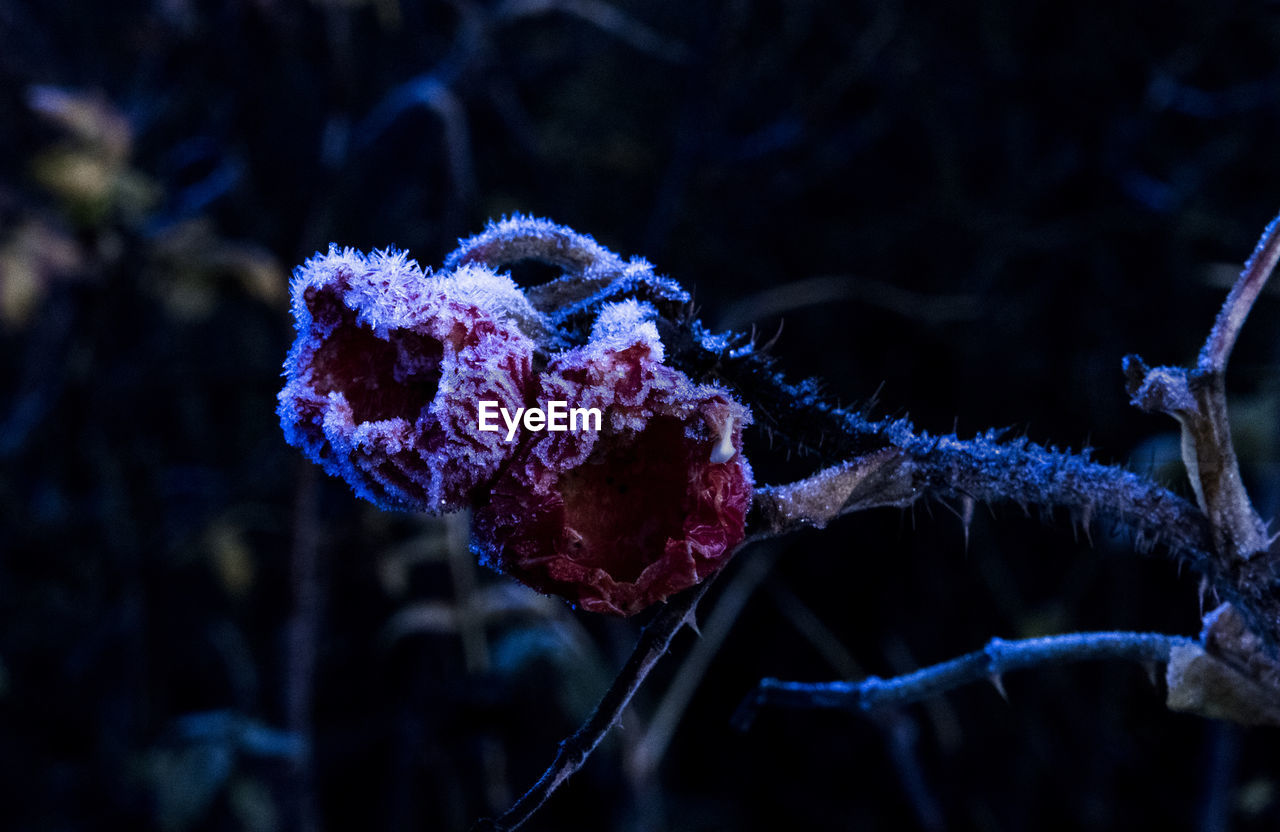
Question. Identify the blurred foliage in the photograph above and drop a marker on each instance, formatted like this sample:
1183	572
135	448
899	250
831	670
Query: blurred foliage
982	206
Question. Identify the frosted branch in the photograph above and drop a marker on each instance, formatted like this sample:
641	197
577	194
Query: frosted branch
989	664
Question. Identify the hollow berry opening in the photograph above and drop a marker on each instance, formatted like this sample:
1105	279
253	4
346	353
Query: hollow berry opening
382	379
621	509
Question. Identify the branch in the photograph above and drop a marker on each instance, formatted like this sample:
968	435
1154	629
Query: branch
984	469
520	237
1197	398
989	664
1240	566
593	275
890	464
575	750
1226	328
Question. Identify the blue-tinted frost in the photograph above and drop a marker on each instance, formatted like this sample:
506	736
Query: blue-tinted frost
626	323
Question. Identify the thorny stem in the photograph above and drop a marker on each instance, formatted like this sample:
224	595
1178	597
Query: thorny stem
892	465
989	664
885	462
984	469
575	750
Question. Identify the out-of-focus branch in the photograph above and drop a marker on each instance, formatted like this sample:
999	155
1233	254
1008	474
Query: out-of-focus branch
649	751
303	634
605	17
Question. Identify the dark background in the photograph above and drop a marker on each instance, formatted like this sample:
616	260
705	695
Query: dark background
975	211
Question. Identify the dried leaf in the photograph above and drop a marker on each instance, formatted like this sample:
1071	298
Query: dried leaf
1231	678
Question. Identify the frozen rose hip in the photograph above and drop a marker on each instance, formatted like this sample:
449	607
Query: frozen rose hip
651	505
383	381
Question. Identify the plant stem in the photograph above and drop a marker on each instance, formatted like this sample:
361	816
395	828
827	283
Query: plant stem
574	750
989	664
